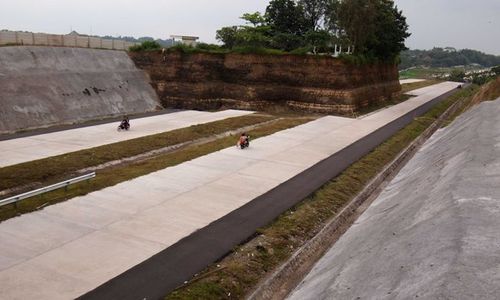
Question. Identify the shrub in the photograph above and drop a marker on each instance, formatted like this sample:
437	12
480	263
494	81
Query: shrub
257	50
145	46
301	51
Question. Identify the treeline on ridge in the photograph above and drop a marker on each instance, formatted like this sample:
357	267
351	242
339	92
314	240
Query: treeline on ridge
374	29
446	57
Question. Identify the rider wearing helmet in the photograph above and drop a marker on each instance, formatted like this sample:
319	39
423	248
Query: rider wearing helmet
243	141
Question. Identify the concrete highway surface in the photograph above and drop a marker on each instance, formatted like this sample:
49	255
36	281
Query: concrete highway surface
434	232
122	239
40	146
406	81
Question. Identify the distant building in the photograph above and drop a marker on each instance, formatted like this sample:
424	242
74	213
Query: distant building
185	40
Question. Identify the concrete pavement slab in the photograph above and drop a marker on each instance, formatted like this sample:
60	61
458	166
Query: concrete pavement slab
157	210
38	282
435	89
413	80
83	214
272	170
57	143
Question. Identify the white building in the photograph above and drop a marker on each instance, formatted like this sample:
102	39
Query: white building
185	40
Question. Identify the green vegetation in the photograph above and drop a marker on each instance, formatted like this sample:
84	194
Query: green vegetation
240	272
489	91
373	29
475	74
55	168
145	46
114	175
446	58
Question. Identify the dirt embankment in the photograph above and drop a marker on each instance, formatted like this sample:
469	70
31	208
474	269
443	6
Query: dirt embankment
490	91
251	81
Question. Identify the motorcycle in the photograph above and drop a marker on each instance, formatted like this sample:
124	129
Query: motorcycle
124	125
246	143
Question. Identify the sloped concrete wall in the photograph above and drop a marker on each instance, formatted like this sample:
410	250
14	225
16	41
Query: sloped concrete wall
43	86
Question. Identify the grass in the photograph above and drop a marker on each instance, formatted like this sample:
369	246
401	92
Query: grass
239	273
56	168
114	175
430	73
405	88
490	91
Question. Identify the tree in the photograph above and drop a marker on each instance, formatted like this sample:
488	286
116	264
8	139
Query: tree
391	31
314	12
256	35
285	16
496	70
457	75
374	27
356	21
319	41
256	19
228	36
332	15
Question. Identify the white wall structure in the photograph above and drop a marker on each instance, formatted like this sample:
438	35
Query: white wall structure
185	40
61	40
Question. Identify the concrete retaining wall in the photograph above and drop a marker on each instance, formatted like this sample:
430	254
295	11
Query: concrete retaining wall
43	86
61	40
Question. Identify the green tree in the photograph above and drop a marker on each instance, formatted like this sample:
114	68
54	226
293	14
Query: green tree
254	35
331	15
285	16
314	12
319	41
457	75
228	36
256	19
374	27
356	21
496	70
286	41
391	31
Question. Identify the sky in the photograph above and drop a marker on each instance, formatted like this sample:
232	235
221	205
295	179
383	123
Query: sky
455	23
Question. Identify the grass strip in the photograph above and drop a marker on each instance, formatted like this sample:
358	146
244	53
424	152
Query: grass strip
114	175
240	272
53	169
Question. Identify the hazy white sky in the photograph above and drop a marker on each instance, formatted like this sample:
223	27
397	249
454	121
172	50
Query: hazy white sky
456	23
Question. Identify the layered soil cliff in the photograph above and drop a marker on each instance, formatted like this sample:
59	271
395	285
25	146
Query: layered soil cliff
260	82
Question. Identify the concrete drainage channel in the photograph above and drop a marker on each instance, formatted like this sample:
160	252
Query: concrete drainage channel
291	273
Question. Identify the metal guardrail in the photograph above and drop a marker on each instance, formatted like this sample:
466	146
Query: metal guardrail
49	188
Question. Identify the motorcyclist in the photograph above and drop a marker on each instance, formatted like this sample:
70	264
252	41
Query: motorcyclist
243	141
125	123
